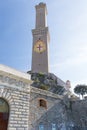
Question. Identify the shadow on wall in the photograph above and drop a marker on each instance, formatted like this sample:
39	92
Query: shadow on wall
59	117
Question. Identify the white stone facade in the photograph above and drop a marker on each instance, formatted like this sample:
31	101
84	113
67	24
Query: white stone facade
15	90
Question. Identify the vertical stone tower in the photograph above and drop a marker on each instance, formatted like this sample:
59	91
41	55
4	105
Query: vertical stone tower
40	41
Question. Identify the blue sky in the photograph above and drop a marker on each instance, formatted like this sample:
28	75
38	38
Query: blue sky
67	22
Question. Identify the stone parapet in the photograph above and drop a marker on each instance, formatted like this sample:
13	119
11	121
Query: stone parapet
12	78
44	92
14	72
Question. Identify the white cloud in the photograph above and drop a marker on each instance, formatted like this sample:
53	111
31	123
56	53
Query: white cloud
75	61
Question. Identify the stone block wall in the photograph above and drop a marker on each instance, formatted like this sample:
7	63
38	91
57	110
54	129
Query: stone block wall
18	102
15	90
54	113
63	112
26	112
78	113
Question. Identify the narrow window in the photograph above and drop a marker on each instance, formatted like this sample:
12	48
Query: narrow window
41	127
42	103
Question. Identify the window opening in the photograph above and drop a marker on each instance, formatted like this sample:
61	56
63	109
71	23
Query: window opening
53	126
42	103
41	127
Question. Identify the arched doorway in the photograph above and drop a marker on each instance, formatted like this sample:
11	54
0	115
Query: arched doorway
4	114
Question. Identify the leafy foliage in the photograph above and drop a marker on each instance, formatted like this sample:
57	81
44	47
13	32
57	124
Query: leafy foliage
81	89
47	82
44	87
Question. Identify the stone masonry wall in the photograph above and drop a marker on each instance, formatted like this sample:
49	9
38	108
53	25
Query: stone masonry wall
53	114
78	113
15	90
19	107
